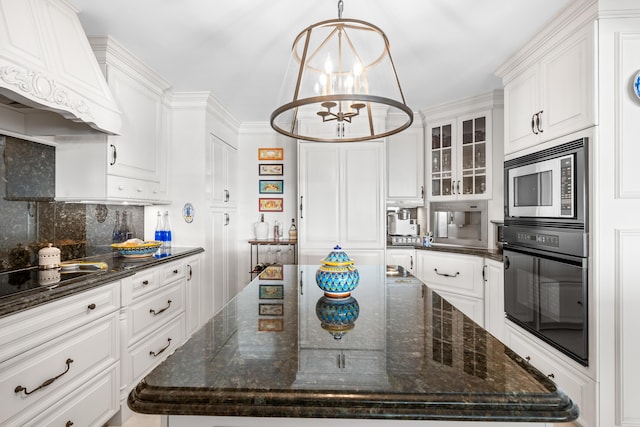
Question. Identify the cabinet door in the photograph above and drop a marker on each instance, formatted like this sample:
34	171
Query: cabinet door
473	179
223	160
362	218
136	151
319	184
521	102
403	257
441	159
494	298
223	257
405	168
568	87
194	307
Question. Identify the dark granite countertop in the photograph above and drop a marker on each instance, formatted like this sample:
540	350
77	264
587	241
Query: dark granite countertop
494	254
408	354
20	290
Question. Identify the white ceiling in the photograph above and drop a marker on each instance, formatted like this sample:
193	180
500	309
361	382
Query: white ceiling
239	49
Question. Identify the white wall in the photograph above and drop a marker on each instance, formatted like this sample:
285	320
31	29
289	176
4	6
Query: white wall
253	136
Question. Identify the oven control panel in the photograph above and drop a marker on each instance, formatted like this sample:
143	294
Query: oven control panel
539	239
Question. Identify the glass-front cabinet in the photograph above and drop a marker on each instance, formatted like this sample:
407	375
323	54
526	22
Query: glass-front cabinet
459	157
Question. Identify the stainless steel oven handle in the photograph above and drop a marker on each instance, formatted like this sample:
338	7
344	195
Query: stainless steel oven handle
507	264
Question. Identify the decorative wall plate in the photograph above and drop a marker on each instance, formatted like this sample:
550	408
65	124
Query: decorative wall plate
636	85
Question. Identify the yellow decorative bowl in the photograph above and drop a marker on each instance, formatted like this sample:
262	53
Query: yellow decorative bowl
136	248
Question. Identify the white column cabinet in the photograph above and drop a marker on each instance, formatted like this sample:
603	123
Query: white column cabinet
341	197
405	168
221	233
553	96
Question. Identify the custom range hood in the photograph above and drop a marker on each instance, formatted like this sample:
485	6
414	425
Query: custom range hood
50	81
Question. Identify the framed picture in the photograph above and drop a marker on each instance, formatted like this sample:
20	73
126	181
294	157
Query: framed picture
270	169
267	186
266	204
272	272
271	291
270	325
270	153
265	309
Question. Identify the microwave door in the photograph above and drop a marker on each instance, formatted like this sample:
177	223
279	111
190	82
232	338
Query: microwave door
534	190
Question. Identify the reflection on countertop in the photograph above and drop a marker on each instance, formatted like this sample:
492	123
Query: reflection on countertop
404	353
29	287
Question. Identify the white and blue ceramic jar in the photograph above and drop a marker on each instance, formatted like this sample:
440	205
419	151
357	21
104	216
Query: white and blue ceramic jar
337	276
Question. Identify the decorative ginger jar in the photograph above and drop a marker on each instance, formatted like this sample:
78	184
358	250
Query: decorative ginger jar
337	316
337	276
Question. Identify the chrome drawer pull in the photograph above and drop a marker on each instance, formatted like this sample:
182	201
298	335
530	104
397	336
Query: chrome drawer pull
46	383
154	354
445	274
155	313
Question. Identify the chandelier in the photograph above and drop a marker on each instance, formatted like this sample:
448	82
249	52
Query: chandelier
340	76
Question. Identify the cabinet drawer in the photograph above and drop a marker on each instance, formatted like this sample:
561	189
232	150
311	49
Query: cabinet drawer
75	357
460	274
126	188
93	404
152	350
144	282
472	307
576	385
154	310
43	323
172	272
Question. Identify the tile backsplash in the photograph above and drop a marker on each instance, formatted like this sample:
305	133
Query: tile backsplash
31	221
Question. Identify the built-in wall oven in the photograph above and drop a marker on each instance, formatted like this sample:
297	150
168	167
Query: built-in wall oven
546	246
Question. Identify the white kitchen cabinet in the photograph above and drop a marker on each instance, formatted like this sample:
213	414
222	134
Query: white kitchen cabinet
195	303
341	197
152	321
223	161
457	278
131	166
62	346
222	258
494	316
405	167
461	143
406	257
567	376
553	95
221	178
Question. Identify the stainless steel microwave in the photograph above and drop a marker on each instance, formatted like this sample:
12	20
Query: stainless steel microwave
549	184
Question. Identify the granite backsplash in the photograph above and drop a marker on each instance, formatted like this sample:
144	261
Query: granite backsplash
30	219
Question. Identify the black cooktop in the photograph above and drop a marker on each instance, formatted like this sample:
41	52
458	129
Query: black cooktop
34	280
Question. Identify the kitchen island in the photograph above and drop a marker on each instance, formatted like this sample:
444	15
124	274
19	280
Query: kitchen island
395	353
